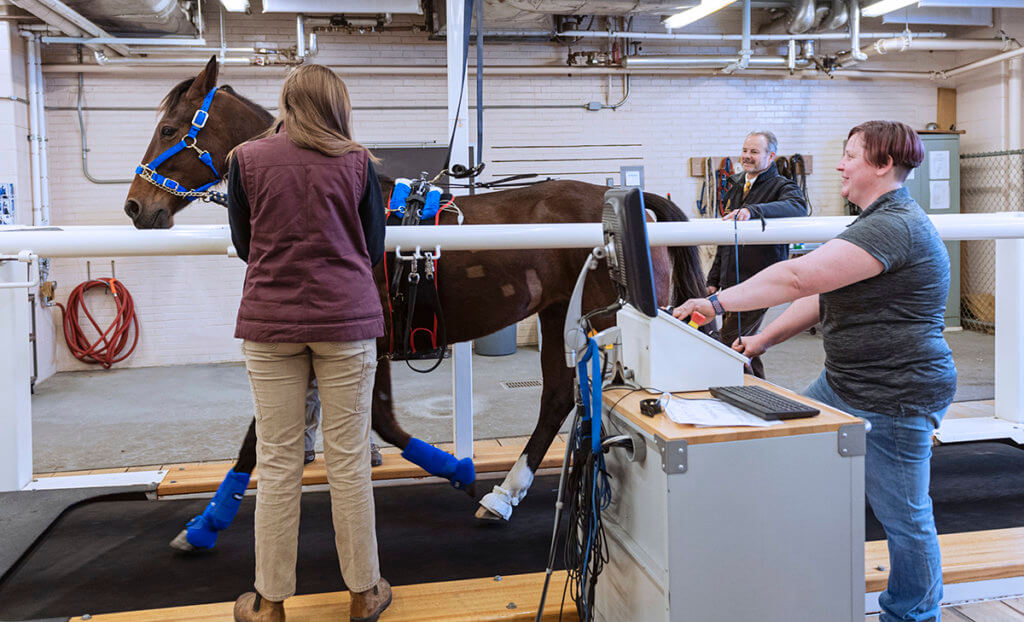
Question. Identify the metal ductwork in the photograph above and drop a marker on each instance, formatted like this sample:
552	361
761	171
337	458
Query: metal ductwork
592	7
808	16
138	17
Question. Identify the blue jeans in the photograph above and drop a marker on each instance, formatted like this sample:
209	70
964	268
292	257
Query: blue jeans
896	474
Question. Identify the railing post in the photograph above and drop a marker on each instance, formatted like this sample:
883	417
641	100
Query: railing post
1009	346
458	118
15	370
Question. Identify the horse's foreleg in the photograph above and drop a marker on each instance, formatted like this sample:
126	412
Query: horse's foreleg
555	403
201	531
461	473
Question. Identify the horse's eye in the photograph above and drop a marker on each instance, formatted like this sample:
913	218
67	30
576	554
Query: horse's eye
168	131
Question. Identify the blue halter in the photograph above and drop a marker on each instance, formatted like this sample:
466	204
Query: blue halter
148	171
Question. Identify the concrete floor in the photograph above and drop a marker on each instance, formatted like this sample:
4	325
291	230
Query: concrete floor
160	415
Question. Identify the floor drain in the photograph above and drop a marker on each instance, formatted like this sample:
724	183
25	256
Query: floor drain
520	384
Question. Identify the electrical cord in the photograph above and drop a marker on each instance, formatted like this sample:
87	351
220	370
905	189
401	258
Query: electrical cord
106	349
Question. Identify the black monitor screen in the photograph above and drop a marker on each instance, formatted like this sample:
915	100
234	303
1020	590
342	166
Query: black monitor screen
629	261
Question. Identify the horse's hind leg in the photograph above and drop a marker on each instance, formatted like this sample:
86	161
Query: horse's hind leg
555	403
201	531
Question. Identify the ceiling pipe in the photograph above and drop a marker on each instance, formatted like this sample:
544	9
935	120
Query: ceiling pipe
855	33
507	70
31	47
838	15
199	50
910	44
140	41
802	17
949	73
68	21
665	61
745	50
655	36
300	36
171	61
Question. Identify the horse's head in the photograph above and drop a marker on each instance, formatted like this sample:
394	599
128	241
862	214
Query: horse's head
174	163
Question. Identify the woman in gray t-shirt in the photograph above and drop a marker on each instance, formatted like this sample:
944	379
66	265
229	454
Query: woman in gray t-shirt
879	290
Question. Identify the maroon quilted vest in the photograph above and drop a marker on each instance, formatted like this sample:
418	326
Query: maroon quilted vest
309	276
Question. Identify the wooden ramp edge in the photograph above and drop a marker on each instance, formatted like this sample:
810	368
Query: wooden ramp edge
512	599
488	457
966	557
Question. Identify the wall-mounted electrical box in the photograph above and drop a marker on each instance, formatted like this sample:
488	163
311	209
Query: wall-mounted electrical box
6	204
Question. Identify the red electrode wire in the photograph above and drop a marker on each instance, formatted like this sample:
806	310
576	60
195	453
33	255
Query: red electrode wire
106	350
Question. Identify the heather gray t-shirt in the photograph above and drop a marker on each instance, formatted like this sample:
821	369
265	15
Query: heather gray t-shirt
884	349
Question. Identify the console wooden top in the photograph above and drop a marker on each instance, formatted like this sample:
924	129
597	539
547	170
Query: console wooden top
627	404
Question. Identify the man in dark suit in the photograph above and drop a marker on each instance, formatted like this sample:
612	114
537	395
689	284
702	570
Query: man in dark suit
759	191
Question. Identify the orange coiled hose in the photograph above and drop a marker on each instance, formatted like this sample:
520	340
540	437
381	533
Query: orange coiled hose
106	350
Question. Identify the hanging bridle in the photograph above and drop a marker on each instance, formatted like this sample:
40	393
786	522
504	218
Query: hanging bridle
148	171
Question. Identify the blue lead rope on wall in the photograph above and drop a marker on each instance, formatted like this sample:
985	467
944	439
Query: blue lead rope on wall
199	120
202	530
460	473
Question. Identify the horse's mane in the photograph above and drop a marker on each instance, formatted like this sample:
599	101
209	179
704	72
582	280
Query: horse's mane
173	98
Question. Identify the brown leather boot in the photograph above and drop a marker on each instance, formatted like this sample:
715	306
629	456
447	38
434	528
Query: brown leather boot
367	606
252	607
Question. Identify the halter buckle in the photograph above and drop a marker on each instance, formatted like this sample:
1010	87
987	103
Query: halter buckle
199	119
169	183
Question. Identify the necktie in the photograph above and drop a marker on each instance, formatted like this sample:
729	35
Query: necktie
746	188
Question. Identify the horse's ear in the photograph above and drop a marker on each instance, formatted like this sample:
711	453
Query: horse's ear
206	80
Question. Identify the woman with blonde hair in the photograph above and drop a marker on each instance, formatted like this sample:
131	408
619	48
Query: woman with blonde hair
307	216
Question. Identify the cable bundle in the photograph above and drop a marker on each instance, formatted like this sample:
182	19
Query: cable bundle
106	350
588	493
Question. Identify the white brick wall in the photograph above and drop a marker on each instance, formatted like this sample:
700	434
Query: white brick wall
187	305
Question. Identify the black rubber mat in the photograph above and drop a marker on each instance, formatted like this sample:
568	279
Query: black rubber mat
975	487
113	556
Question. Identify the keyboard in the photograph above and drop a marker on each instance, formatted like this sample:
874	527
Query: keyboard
763	403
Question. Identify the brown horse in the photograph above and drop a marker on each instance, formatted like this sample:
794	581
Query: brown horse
480	292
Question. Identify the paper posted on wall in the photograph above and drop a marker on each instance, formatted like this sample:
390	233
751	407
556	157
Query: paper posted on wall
712	413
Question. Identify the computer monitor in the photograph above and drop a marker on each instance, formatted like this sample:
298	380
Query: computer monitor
629	254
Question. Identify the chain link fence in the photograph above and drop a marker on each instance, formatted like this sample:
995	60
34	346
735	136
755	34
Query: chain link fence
989	182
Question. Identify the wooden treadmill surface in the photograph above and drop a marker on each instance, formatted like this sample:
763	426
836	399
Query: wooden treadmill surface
488	457
512	599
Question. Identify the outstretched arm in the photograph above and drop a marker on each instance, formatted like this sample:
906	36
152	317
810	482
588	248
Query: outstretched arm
800	316
835	264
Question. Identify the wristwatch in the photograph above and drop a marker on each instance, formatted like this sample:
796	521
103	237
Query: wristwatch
717	306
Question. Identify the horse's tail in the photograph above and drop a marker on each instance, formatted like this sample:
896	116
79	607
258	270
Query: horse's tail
687	276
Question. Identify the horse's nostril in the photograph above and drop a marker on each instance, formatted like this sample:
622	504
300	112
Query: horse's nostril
132	208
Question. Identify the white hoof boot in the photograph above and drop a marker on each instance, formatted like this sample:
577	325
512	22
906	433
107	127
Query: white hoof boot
498	502
181	543
483	513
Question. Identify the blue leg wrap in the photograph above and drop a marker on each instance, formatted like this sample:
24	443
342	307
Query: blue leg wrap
202	530
441	463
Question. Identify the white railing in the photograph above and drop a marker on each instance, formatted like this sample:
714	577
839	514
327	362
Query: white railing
1006	228
125	241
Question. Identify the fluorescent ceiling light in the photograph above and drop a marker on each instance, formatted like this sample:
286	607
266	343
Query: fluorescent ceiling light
881	7
705	8
236	6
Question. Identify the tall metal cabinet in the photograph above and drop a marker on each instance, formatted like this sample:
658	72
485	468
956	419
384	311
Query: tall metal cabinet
935	185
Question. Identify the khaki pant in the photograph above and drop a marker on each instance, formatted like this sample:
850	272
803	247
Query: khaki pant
279	374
